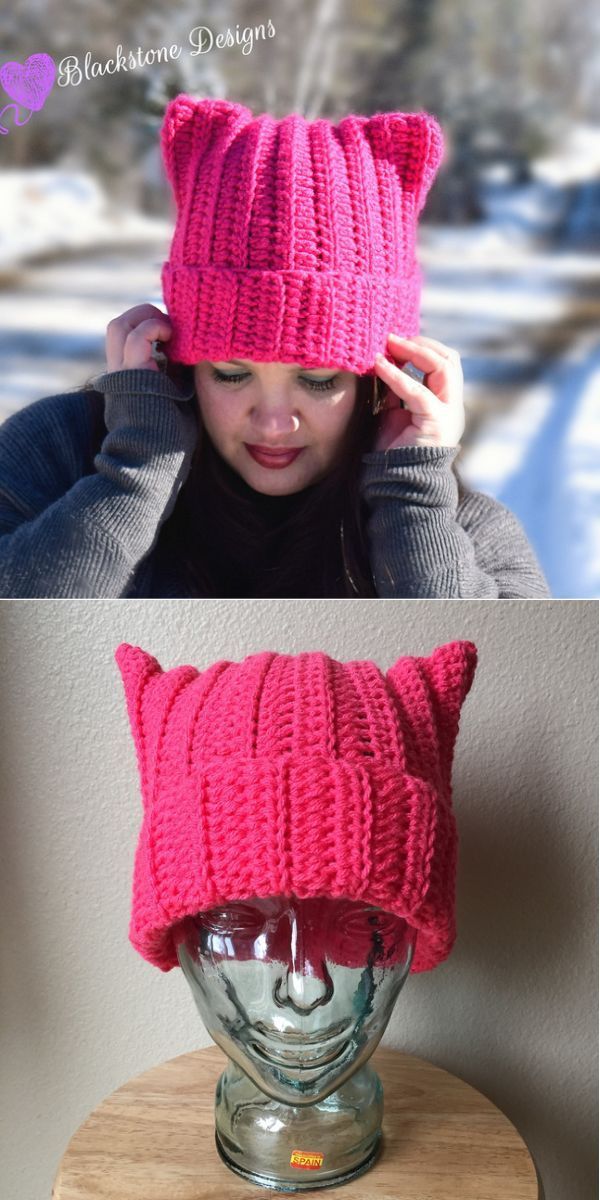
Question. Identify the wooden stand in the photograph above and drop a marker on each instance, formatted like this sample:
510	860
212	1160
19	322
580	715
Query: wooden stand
153	1139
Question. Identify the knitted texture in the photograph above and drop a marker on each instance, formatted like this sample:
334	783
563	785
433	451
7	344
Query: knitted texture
295	240
296	775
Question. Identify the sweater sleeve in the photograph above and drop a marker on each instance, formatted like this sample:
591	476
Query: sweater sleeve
423	543
65	533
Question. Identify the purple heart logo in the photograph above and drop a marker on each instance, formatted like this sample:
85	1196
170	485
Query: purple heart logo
31	82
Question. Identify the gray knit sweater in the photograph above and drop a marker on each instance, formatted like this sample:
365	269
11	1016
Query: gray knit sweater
87	478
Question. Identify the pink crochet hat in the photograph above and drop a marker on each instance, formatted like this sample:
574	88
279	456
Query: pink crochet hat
296	775
295	240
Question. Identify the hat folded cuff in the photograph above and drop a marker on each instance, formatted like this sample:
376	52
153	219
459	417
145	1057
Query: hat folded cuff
321	826
315	319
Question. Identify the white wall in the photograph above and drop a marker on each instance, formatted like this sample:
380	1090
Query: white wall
513	1010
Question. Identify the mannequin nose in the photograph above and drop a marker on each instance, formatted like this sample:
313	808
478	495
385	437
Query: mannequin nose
307	981
304	993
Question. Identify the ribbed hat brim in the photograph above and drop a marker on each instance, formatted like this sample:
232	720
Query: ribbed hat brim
311	318
379	837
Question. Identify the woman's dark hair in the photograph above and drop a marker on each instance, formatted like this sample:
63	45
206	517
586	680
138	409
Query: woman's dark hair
233	541
226	539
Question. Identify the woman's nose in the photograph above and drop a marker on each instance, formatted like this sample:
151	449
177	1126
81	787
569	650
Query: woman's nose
275	417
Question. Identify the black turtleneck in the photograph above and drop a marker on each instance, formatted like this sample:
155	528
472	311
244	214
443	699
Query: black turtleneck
248	543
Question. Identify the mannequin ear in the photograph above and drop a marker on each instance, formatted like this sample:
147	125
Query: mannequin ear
188	127
414	142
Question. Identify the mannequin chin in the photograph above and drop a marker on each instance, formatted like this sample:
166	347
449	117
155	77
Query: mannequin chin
296	992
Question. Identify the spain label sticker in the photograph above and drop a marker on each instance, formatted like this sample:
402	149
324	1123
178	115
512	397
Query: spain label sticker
308	1160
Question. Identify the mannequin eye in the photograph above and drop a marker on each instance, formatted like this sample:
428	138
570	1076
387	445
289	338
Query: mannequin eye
235	919
363	922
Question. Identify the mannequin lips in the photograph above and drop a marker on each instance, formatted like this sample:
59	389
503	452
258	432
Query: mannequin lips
296	1057
299	1038
273	459
301	1056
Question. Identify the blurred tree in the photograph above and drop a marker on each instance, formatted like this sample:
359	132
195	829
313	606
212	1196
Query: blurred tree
506	78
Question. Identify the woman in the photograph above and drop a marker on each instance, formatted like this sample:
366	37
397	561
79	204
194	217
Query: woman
278	452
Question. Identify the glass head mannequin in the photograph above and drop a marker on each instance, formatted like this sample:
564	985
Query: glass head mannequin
297	992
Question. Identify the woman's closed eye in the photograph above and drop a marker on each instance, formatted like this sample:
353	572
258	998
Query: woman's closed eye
316	385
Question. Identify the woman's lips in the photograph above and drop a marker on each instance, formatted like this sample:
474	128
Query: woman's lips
275	459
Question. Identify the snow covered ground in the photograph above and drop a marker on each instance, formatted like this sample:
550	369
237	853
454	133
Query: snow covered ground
542	459
51	210
518	295
523	308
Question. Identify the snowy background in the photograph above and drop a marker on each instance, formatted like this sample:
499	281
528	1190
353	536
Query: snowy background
510	240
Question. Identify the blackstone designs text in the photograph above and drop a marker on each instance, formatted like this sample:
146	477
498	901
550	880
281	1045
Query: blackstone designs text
71	70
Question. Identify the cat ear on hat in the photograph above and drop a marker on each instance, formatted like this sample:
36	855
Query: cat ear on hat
432	690
150	694
136	667
414	142
451	669
431	155
188	127
137	670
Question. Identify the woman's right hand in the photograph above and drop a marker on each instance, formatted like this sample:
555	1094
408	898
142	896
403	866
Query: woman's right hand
129	338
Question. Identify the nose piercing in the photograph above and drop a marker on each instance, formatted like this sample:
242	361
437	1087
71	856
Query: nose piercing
295	419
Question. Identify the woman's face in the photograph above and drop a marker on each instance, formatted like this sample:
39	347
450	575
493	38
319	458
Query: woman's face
279	425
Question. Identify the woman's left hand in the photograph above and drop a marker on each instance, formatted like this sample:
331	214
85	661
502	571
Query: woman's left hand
433	412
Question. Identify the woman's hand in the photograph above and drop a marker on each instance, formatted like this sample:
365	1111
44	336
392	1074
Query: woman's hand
433	412
129	337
